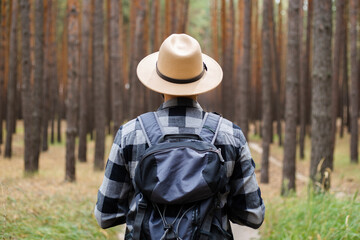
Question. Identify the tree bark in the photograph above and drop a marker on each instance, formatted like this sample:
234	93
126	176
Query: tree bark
2	66
354	92
155	35
54	73
90	92
255	73
137	90
338	38
342	76
228	59
99	85
47	78
84	70
72	88
37	90
116	63
26	87
214	28
275	73
305	80
291	106
183	16
321	89
11	86
244	76
345	86
266	94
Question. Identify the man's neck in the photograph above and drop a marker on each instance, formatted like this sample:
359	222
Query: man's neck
168	97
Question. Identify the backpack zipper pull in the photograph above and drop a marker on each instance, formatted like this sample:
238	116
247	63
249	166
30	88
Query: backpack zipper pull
218	151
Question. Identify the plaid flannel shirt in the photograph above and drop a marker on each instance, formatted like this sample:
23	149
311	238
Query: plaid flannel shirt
242	203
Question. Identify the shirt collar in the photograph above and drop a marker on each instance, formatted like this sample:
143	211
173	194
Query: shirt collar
180	102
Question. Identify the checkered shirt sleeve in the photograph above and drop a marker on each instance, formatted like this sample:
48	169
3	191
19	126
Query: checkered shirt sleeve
244	203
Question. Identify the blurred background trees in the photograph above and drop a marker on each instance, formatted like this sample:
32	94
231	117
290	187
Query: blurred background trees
288	71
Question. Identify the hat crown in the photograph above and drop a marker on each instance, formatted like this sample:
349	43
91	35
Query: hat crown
180	57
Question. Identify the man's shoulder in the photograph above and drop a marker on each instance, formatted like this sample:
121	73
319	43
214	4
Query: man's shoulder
230	130
127	130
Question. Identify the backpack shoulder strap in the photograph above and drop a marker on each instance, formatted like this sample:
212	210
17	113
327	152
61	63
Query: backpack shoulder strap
151	127
210	127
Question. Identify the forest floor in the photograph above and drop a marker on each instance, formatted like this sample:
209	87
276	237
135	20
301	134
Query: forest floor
43	206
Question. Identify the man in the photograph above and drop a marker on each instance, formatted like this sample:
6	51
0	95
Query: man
180	72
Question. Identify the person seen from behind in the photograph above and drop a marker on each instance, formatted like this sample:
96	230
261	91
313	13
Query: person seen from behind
179	172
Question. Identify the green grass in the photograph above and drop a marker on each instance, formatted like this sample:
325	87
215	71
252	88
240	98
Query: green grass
42	205
320	216
54	217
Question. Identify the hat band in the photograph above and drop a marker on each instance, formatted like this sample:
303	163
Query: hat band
182	81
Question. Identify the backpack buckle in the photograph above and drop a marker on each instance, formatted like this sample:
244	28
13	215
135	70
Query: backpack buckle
168	227
142	205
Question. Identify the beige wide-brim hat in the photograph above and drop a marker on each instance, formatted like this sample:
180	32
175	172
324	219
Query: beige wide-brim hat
179	68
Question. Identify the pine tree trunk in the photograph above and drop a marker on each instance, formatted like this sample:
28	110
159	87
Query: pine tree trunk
173	14
11	88
291	106
155	25
47	76
345	86
214	28
336	67
99	85
183	18
90	92
54	72
266	94
281	40
227	59
2	66
155	32
255	75
354	92
244	76
84	70
215	49
116	63
136	88
37	90
167	30
341	87
275	66
321	89
305	94
72	88
108	92
26	87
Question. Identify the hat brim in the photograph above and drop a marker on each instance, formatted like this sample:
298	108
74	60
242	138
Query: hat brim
146	72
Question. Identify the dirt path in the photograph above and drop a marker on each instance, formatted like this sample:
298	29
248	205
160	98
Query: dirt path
244	233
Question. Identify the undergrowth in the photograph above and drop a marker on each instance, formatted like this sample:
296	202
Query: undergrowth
318	216
55	216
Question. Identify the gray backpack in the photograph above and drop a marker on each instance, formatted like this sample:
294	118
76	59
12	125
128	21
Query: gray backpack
178	182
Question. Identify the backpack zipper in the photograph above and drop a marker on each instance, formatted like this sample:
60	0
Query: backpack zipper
217	151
